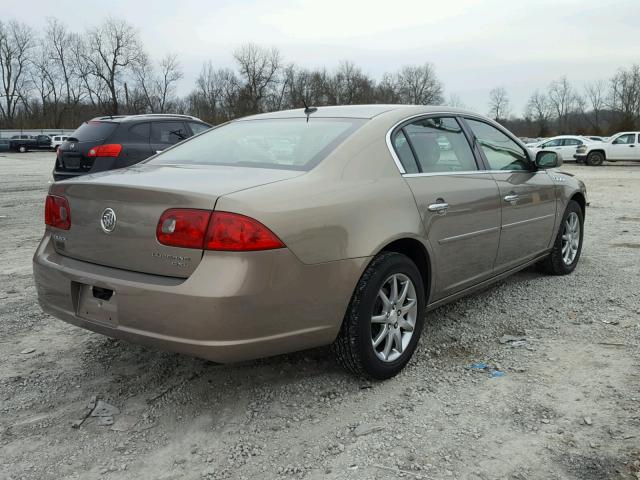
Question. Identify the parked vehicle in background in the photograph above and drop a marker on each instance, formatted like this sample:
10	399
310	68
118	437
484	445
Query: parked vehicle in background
110	142
230	246
24	143
5	144
595	138
624	146
58	140
564	145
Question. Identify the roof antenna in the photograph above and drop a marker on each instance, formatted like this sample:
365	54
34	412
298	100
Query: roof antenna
308	110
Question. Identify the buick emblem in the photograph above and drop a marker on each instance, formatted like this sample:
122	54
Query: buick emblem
108	220
72	146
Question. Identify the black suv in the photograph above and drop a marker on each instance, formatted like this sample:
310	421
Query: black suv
106	143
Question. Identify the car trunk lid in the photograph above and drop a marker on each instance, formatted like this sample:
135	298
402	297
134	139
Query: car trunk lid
138	199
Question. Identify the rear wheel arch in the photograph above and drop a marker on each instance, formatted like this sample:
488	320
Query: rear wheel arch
417	252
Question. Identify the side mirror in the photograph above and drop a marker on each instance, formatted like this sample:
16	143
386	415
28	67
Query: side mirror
546	159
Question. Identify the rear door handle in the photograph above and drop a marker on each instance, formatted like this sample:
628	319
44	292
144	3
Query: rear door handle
512	197
438	207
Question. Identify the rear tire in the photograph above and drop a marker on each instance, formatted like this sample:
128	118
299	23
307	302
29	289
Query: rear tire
370	319
568	244
22	149
595	159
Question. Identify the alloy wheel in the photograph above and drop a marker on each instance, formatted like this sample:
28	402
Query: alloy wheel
570	238
394	317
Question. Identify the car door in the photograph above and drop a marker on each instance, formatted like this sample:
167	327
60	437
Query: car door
528	196
167	133
623	147
569	146
458	202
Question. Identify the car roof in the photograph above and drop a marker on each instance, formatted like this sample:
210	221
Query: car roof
564	136
358	111
145	116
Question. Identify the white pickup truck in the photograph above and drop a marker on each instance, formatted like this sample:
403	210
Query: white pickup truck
624	146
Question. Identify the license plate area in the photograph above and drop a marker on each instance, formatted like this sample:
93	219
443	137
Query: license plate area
71	162
97	304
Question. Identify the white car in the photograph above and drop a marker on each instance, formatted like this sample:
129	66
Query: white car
57	140
623	146
564	145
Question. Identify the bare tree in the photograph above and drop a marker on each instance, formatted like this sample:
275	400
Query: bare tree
625	96
499	104
114	48
16	50
349	85
419	85
539	111
48	84
59	44
455	101
145	83
259	68
216	94
563	100
170	75
387	89
595	93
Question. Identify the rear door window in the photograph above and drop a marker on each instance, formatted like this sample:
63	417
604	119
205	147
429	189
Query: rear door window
571	142
94	131
439	145
139	133
168	133
403	150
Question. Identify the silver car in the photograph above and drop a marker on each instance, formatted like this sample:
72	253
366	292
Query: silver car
336	226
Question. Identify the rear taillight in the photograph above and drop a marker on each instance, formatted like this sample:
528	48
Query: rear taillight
57	212
183	227
231	231
201	229
108	150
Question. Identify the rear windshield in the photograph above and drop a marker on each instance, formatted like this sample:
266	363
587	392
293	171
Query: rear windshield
92	131
292	143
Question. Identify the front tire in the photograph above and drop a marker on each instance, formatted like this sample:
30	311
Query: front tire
595	159
568	244
22	149
383	322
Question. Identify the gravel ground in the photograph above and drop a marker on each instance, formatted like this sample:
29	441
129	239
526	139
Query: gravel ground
568	406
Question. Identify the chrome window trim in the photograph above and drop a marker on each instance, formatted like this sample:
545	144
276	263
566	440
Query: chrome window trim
398	163
466	172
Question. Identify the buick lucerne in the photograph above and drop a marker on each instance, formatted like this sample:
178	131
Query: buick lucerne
283	231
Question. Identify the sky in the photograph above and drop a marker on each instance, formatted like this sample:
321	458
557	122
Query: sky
475	45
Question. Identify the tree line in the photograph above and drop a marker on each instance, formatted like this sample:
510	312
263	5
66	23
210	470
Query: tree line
59	78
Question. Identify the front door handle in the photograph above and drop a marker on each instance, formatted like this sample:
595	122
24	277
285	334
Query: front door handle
512	197
440	207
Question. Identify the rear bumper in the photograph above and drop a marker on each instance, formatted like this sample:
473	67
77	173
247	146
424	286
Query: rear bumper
233	307
100	164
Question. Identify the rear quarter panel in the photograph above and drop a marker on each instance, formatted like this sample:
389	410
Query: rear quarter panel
351	205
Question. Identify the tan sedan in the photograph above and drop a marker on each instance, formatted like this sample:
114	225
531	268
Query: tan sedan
295	229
